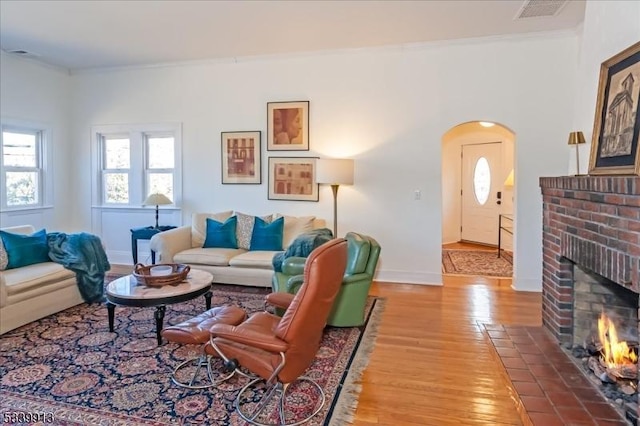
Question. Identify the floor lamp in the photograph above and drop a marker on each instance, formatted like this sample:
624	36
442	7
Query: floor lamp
334	172
157	199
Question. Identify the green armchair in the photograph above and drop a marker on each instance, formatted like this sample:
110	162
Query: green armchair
348	308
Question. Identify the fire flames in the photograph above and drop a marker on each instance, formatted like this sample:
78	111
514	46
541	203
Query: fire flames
614	352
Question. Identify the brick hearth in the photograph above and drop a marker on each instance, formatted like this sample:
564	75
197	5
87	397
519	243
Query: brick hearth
547	387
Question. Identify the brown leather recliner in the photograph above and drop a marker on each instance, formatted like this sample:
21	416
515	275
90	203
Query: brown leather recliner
280	349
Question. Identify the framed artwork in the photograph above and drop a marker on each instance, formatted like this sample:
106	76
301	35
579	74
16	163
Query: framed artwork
288	126
614	145
241	157
292	178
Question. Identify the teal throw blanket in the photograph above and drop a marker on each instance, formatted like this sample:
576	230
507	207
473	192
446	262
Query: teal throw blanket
83	254
302	246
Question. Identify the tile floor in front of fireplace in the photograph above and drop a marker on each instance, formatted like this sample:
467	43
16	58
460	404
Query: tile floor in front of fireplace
546	385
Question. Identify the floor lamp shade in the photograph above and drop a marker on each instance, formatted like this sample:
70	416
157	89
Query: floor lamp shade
334	172
157	199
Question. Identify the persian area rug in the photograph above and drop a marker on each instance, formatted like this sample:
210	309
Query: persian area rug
70	370
477	262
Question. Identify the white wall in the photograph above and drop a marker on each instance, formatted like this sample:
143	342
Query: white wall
39	95
387	108
609	27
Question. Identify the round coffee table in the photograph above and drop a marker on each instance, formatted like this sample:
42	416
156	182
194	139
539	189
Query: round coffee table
126	291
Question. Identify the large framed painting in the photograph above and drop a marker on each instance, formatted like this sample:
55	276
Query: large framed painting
614	146
288	126
241	157
292	178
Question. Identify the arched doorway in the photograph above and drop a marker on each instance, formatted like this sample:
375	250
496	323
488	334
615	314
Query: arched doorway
477	162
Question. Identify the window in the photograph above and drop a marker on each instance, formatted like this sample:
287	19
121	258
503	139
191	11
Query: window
135	161
22	168
482	180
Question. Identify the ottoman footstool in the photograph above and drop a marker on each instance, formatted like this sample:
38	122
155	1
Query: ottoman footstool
195	331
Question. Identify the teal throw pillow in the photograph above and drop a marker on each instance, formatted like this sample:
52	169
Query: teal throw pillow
221	235
24	250
267	236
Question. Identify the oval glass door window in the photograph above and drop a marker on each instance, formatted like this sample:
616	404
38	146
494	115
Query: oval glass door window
482	180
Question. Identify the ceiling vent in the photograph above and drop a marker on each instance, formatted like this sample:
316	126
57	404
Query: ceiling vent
539	8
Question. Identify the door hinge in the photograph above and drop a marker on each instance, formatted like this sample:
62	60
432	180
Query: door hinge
461	229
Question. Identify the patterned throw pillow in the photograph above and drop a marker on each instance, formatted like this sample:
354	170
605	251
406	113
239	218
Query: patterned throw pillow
4	259
244	228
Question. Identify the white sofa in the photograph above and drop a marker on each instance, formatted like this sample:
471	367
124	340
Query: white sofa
228	266
34	291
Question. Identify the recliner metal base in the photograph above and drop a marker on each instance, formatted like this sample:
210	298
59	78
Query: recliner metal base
215	374
267	409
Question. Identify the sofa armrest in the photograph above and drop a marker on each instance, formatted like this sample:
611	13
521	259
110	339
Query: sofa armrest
3	291
168	243
293	265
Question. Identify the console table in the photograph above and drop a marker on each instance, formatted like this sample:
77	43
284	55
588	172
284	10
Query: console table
145	233
505	223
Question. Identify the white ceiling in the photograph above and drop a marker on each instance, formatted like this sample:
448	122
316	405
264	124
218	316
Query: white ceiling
94	34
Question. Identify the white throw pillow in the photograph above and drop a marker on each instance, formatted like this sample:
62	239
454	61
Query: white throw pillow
244	228
199	225
294	226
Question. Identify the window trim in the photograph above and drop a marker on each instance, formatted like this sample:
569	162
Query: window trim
43	159
137	134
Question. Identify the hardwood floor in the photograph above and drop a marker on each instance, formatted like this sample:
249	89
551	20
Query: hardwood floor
431	364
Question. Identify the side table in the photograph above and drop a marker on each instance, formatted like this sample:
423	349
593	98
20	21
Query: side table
145	233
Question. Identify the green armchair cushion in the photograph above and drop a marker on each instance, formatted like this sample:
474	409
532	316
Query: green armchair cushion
358	254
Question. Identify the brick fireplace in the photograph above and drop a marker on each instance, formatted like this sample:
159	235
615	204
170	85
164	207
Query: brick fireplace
592	222
591	258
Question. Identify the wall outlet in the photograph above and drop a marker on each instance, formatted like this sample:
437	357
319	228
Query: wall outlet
417	194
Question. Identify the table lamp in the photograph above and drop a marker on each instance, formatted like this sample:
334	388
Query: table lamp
334	172
576	138
157	199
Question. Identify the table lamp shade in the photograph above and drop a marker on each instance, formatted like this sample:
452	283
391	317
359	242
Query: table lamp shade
509	180
334	171
576	138
157	199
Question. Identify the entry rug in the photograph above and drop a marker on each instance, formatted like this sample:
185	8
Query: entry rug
477	262
68	369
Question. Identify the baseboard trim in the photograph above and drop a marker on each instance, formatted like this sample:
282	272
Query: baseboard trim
409	277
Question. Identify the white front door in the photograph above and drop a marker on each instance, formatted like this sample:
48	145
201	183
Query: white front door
481	192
